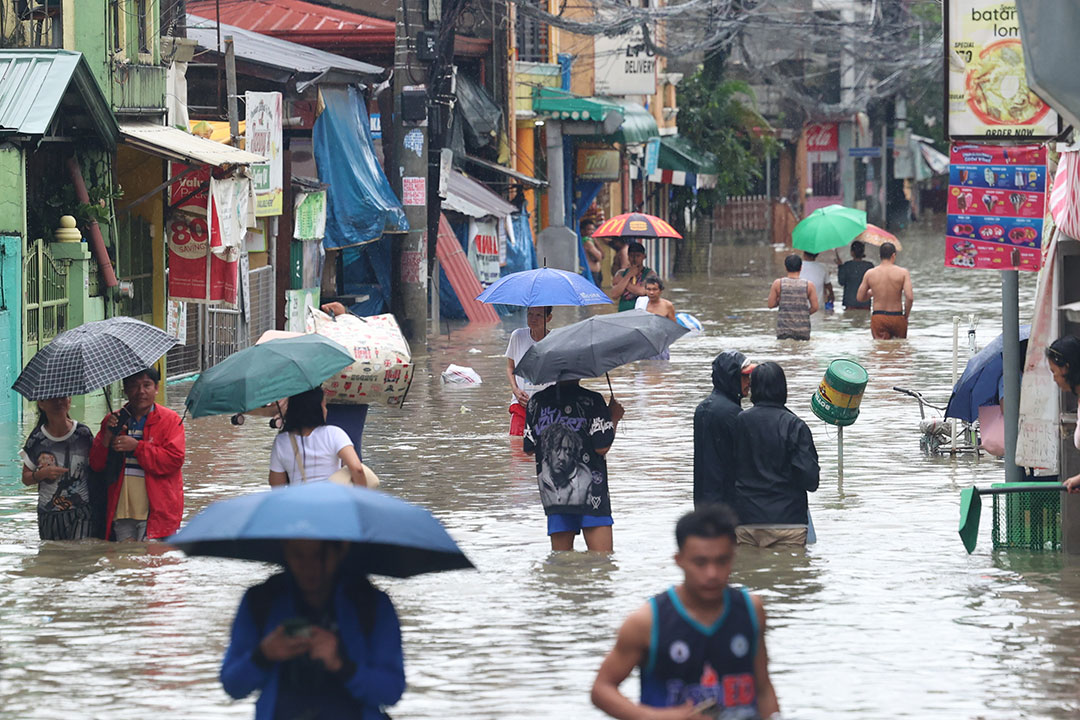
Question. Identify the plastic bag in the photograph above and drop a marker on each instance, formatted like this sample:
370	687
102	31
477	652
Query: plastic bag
460	375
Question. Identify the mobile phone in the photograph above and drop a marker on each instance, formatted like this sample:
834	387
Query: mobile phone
703	705
296	627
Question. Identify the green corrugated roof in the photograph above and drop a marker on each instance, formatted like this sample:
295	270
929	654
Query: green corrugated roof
679	154
638	125
35	83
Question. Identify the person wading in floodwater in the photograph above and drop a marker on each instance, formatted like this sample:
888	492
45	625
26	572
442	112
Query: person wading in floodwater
700	644
796	299
889	285
537	320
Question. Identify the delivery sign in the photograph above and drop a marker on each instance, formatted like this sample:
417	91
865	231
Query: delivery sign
997	201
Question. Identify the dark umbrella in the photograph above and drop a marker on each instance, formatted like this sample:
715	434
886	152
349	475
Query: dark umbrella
91	356
389	536
593	346
978	386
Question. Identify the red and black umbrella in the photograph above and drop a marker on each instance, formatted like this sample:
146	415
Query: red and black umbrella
636	225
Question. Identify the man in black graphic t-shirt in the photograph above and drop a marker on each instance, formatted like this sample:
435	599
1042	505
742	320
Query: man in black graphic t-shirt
570	429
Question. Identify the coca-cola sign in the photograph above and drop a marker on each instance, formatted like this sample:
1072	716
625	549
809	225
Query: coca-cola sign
822	137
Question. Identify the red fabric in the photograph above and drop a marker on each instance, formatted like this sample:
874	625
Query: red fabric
161	455
517	419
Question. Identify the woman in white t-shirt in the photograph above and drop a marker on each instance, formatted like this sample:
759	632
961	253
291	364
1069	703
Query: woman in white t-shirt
537	318
1064	357
307	448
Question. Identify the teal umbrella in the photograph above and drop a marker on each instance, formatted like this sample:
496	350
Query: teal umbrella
265	373
828	228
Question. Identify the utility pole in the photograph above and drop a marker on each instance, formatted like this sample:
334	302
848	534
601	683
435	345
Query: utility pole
230	91
410	172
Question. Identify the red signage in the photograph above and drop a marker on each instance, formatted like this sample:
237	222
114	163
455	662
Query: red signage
823	137
185	193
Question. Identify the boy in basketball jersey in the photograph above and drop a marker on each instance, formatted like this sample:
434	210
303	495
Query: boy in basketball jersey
700	644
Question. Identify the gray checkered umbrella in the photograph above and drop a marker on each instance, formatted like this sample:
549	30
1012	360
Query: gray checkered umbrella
91	356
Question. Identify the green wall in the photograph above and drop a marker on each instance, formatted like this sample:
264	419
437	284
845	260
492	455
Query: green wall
12	232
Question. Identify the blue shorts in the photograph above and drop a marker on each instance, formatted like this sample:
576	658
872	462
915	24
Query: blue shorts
574	523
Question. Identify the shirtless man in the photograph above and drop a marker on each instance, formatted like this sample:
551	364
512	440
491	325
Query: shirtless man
889	285
658	305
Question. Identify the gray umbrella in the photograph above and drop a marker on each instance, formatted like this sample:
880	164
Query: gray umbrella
91	356
597	344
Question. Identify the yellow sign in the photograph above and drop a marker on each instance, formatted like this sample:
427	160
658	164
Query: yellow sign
987	86
598	164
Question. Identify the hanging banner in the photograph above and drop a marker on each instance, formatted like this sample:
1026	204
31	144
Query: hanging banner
262	136
230	214
484	250
196	274
188	192
176	320
988	94
996	204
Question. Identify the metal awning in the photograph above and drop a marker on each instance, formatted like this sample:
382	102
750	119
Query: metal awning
679	154
307	64
468	197
51	91
638	126
509	172
173	144
558	104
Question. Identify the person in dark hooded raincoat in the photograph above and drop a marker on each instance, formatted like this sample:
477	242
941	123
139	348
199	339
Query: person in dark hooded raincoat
714	429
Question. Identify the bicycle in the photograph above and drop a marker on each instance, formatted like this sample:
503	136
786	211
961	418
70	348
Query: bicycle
941	436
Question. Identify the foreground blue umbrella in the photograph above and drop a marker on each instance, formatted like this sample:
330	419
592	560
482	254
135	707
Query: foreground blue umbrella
265	373
544	286
389	536
978	386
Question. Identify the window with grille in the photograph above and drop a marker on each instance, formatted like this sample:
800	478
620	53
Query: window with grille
532	37
825	179
135	262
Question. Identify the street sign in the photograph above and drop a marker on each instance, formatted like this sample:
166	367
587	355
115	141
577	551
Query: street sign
864	152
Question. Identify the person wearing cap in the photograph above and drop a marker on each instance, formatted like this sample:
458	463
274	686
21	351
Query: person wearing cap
714	428
629	284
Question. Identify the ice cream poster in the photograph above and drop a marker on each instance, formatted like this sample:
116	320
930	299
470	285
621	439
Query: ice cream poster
996	205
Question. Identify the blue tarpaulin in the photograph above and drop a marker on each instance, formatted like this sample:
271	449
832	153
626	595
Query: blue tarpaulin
360	205
521	253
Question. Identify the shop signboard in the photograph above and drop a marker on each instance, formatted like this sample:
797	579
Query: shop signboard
986	85
624	65
484	250
996	205
822	143
598	164
262	136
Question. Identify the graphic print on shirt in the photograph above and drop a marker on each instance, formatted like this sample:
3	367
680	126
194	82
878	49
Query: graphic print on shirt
565	426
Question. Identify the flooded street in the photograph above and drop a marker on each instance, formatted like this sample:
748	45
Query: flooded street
885	617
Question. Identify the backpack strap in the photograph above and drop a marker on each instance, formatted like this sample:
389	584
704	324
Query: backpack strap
296	455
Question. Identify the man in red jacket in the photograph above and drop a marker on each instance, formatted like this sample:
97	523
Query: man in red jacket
146	495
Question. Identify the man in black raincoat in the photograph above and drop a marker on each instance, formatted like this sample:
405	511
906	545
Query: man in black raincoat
714	428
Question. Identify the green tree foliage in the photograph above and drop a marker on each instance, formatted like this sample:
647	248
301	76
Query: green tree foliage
717	115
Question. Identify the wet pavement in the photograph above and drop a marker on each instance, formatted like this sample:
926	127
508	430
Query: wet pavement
885	617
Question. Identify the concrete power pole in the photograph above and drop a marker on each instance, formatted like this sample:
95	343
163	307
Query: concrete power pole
409	170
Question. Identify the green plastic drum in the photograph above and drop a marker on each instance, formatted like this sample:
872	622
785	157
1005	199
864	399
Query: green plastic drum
840	393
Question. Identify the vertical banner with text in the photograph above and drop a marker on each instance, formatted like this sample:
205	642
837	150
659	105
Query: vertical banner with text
262	136
997	202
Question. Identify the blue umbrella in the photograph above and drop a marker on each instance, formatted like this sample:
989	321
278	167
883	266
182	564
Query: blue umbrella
979	385
544	286
389	536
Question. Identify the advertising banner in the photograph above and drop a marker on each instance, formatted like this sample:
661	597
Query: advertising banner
184	194
822	143
996	204
624	65
262	136
988	94
195	273
484	250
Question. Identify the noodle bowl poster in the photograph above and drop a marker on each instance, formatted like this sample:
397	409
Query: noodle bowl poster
997	202
986	86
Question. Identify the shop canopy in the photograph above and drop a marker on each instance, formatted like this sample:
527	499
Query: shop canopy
173	144
468	197
46	92
508	172
280	60
678	153
639	126
558	104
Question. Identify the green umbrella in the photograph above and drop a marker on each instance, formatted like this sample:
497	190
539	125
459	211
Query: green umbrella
827	228
266	372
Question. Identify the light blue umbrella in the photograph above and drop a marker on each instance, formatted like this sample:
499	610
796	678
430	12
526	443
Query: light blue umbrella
543	286
389	536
